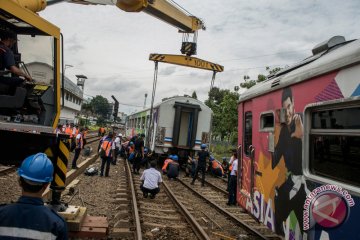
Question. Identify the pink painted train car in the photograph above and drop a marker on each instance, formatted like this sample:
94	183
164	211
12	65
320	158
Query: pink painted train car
299	146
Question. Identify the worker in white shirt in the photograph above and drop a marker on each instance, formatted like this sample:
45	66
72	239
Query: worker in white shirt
116	147
233	182
151	179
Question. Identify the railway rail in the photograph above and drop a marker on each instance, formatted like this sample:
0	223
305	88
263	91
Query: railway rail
165	217
220	220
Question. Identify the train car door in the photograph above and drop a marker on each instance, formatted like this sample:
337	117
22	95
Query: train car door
185	124
246	187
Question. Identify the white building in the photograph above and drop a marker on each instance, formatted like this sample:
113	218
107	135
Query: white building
43	72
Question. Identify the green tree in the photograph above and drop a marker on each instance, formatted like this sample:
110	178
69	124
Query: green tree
193	95
229	120
260	78
101	106
224	106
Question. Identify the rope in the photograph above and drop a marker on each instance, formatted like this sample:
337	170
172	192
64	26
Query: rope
213	80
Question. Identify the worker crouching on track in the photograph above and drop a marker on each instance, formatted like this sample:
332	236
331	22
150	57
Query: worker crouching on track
173	167
166	163
28	218
215	167
151	179
106	153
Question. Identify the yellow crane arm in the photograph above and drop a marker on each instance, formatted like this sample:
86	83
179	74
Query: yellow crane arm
186	61
161	9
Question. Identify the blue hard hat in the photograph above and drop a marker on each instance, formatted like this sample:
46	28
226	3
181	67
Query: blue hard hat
212	158
131	143
175	157
223	158
37	168
146	150
203	146
170	156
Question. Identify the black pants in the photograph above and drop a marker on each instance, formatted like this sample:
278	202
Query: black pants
232	190
284	205
137	164
106	160
12	82
151	191
76	156
202	168
115	155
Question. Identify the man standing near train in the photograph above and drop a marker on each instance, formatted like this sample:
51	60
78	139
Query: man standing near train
203	157
291	194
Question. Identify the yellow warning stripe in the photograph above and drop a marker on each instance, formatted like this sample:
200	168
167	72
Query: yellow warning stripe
186	61
59	182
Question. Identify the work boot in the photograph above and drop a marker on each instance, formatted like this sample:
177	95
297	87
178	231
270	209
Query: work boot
152	196
192	183
145	195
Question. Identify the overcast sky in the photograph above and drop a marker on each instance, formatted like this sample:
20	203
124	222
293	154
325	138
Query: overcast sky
112	47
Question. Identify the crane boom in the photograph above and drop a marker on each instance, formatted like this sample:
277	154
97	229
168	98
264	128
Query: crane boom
161	9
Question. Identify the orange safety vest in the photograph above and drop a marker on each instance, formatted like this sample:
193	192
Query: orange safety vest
106	145
77	131
68	131
166	162
131	149
215	165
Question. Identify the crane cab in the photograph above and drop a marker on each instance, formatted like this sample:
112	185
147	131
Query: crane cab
29	112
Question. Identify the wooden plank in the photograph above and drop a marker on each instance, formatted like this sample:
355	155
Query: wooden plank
75	224
89	232
97	222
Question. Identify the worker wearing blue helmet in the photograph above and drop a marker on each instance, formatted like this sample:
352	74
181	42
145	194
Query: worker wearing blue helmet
28	218
202	157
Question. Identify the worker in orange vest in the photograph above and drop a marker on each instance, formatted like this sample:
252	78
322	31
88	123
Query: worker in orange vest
106	145
79	144
166	162
215	167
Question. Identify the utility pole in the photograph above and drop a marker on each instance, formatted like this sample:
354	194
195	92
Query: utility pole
116	108
145	100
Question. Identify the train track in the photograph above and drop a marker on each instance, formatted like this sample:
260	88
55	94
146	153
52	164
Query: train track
216	198
4	170
164	217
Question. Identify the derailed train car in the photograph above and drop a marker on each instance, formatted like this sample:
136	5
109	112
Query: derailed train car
180	125
299	146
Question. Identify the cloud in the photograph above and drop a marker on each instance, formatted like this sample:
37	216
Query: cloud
112	47
167	71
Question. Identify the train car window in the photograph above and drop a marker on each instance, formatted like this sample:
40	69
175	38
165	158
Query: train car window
267	122
247	132
334	144
336	119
